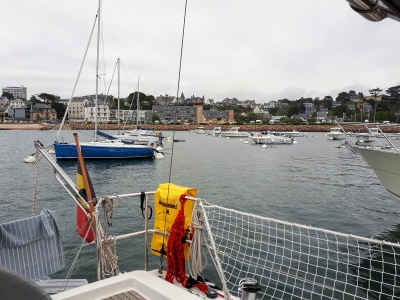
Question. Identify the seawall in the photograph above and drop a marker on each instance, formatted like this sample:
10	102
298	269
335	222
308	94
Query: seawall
252	128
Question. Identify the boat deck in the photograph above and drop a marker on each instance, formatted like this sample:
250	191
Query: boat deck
129	295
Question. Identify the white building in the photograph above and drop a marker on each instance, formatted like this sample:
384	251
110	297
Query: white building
17	103
76	112
124	115
17	92
103	112
4	101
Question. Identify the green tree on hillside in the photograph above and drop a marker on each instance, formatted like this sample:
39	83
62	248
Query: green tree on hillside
375	92
146	102
8	95
393	91
281	112
343	97
352	93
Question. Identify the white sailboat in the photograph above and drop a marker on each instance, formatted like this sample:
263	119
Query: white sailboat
141	134
138	136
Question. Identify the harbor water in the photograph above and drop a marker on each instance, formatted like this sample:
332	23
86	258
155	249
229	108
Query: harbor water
314	182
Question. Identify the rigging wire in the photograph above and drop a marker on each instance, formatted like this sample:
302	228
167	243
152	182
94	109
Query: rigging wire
77	78
174	130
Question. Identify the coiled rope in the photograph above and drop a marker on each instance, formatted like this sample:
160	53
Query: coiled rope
196	253
175	253
109	258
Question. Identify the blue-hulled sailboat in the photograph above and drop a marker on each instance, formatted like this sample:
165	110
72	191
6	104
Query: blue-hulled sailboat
100	149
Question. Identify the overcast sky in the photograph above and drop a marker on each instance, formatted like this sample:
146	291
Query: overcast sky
252	50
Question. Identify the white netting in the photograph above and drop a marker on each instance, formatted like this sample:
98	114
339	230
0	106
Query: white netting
293	261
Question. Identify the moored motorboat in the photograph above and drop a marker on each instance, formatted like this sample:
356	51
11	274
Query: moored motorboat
235	133
384	159
295	133
216	131
336	133
385	162
368	135
269	138
200	130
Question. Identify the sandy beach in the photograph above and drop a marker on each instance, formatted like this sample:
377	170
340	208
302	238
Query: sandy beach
23	126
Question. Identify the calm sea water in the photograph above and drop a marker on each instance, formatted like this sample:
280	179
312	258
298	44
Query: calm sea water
313	182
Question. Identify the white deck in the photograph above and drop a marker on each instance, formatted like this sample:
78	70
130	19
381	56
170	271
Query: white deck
146	285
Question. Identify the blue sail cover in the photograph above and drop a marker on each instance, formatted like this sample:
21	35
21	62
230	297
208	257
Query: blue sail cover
32	246
106	135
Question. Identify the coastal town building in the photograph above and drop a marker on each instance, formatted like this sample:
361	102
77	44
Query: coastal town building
215	116
310	109
323	109
17	103
76	112
41	111
16	113
195	100
209	102
165	99
19	92
376	98
351	107
356	98
4	102
189	114
89	111
168	114
367	108
321	116
125	115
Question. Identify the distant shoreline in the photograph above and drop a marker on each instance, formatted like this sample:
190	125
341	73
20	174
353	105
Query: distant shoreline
248	128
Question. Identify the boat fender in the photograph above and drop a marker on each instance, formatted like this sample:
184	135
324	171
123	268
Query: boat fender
30	159
158	151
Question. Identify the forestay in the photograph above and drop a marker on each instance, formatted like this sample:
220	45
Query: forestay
293	261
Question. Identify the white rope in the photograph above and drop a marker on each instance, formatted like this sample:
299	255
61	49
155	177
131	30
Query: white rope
196	253
36	179
109	258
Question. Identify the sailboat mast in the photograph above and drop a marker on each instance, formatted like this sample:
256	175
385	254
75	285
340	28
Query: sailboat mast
118	94
97	74
137	103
